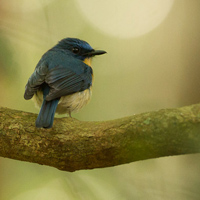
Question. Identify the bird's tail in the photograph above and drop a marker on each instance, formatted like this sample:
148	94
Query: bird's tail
46	115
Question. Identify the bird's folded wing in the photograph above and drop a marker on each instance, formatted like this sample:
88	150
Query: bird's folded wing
64	81
35	81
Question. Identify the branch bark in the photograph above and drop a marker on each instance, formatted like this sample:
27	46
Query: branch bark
73	145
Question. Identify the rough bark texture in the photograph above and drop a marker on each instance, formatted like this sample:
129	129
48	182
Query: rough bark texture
73	145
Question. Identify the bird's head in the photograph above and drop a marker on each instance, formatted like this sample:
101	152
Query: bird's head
79	48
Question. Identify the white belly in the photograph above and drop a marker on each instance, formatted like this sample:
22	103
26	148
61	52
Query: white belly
69	103
74	102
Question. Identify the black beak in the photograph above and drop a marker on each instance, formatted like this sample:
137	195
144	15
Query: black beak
95	52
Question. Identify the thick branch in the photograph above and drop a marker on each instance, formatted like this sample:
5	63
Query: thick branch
73	145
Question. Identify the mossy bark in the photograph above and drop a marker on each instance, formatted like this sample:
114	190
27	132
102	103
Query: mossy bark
73	145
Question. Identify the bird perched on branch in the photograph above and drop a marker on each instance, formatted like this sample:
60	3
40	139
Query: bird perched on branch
62	80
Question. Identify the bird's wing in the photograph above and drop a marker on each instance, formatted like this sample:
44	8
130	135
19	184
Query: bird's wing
62	73
35	81
64	81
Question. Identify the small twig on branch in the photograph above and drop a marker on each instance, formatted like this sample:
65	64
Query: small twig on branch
73	145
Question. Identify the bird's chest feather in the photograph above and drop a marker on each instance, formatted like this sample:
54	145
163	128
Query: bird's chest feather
88	61
69	103
74	102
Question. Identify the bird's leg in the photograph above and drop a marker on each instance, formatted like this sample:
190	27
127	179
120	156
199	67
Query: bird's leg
70	114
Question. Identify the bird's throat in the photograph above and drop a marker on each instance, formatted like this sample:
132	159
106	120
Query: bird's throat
88	61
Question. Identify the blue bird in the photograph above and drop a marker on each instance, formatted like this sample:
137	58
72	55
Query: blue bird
62	80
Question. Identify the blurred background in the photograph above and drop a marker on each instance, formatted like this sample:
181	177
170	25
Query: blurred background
152	63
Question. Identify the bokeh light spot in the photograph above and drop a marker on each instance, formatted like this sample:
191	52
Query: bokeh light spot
127	18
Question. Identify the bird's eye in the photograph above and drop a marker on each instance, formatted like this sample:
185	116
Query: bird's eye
75	50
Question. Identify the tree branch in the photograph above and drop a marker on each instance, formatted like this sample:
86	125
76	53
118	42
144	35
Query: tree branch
73	145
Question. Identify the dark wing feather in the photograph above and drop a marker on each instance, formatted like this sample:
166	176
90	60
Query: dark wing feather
63	81
35	81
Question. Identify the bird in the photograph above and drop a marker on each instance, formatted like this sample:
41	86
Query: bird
62	80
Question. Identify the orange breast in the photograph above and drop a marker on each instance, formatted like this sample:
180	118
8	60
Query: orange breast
88	61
